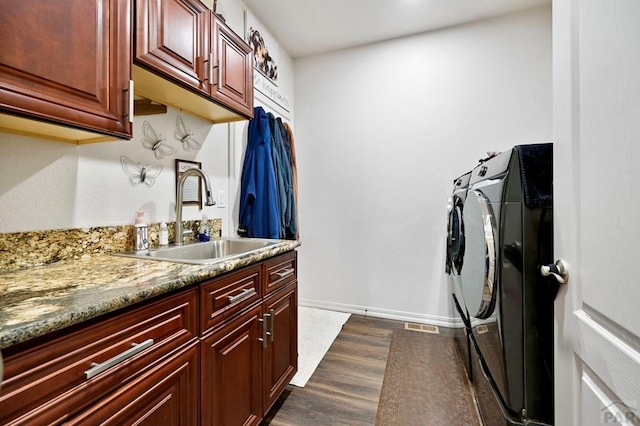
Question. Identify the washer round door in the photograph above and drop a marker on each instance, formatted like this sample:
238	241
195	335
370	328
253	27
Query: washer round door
479	275
455	237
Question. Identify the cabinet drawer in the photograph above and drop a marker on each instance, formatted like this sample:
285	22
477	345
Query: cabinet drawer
280	271
50	381
225	296
163	396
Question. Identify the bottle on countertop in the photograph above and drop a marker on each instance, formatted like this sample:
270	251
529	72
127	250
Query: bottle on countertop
204	232
142	232
163	236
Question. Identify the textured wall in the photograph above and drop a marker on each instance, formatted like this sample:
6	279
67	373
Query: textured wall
51	185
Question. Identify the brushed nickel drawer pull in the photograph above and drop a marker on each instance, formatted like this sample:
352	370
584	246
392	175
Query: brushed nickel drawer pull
246	292
265	333
285	273
273	327
133	350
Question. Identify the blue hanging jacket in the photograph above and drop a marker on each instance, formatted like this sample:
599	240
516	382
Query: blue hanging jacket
278	155
290	214
259	212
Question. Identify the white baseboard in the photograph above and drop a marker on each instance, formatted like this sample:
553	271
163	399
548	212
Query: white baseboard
383	313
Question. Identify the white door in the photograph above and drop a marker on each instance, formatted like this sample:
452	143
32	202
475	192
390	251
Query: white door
597	210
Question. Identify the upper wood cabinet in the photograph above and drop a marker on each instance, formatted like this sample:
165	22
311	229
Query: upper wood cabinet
233	61
65	68
185	56
172	37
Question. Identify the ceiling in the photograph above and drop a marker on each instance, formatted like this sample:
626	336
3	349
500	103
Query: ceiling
304	27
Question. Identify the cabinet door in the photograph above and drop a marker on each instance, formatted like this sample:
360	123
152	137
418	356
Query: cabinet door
171	38
231	360
281	355
166	395
67	62
233	64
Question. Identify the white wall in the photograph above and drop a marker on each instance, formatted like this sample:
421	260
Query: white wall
382	130
49	185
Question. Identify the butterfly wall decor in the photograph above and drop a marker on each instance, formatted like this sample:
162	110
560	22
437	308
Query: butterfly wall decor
155	143
185	136
139	173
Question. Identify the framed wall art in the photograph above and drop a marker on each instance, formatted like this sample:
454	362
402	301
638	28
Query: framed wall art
192	190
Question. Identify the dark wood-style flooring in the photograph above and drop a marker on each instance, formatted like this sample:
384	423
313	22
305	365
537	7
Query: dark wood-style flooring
345	388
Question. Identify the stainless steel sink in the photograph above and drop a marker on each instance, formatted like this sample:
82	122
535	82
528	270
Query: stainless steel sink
205	253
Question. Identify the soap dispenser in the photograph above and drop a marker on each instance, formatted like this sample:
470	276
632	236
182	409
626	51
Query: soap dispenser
164	234
142	233
204	232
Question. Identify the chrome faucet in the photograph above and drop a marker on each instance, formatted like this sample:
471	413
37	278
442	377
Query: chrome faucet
180	186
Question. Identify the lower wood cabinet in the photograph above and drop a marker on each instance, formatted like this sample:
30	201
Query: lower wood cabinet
166	395
248	360
182	359
51	380
281	351
231	364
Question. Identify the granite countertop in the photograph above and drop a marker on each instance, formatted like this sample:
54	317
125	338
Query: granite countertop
41	300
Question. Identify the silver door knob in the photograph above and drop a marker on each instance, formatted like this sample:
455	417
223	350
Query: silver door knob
557	270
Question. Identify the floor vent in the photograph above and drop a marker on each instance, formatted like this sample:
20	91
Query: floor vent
481	329
422	327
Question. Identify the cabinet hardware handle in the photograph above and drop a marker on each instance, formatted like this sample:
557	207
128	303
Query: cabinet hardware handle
210	69
128	101
200	68
246	292
131	101
273	326
284	273
133	350
265	333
